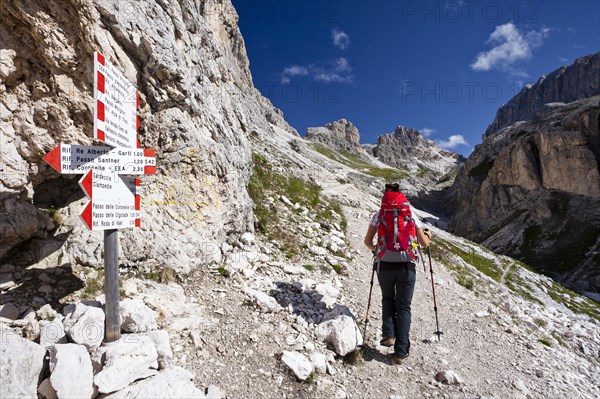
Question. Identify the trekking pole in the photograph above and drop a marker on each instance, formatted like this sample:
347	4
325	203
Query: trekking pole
422	260
368	304
437	324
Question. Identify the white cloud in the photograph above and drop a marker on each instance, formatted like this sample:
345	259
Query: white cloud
294	70
340	39
334	71
453	141
510	47
426	132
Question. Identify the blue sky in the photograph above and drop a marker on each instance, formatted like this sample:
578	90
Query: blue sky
443	67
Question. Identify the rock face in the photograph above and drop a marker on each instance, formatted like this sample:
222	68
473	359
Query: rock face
21	362
532	191
407	149
340	135
565	85
198	107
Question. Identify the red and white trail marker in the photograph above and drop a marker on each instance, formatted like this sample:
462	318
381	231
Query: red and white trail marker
114	200
115	110
77	159
113	193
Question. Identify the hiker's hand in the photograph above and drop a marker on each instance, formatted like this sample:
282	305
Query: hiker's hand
427	233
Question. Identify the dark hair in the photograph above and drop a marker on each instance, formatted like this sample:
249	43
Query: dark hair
394	187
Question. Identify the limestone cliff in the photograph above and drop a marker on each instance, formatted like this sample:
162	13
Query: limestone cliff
532	190
198	109
564	85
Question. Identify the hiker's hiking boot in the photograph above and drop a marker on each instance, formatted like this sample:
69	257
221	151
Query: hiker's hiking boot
387	341
399	359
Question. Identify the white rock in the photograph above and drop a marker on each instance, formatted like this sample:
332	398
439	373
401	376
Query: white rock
163	347
520	385
319	361
173	383
9	312
333	247
52	332
84	325
481	313
265	302
21	363
45	389
136	316
341	333
298	363
71	371
131	358
309	347
327	290
317	250
289	269
247	239
340	393
448	377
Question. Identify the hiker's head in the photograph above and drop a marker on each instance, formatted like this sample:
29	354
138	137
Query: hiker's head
393	187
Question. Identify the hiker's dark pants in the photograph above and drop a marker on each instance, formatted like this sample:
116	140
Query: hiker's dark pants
397	282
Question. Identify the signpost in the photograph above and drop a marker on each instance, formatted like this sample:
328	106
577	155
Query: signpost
107	173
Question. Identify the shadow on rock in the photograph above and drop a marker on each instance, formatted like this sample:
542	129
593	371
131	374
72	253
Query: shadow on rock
313	305
26	286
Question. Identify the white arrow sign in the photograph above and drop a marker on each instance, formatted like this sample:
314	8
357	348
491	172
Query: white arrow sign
79	159
115	110
114	200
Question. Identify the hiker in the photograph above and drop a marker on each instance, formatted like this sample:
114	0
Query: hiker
396	269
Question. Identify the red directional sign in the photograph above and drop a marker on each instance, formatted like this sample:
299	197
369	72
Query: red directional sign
114	200
115	110
77	159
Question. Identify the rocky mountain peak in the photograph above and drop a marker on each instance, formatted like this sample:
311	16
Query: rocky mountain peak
341	134
406	148
564	85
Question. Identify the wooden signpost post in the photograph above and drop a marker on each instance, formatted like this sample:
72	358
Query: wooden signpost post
108	172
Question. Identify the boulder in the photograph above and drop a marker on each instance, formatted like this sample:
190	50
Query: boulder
71	371
341	333
319	361
84	325
267	303
131	358
298	363
21	364
52	332
136	316
163	347
172	383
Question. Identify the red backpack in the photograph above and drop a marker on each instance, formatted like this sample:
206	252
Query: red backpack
396	230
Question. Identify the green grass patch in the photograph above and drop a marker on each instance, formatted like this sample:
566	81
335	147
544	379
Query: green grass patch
545	341
93	287
356	162
582	305
465	281
481	263
265	183
57	219
310	268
